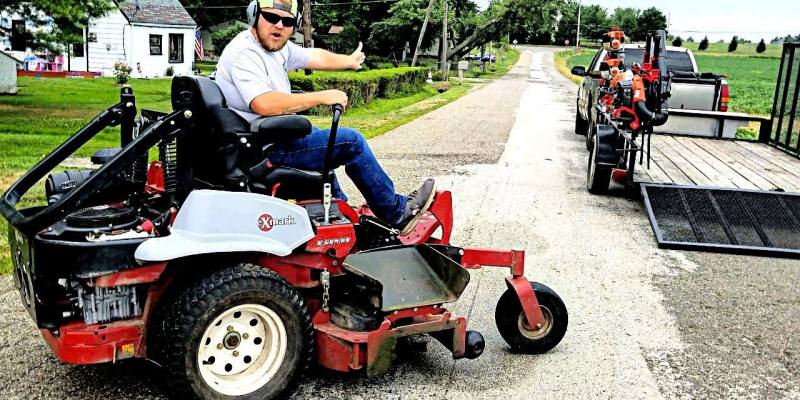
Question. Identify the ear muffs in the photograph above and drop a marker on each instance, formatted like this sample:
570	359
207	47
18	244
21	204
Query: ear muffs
253	11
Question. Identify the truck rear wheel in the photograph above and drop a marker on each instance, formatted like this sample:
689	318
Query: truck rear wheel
598	176
242	332
580	123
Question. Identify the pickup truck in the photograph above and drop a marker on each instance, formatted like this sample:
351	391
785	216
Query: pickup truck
698	102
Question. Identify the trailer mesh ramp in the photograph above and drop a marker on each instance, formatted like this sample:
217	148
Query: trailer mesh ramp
724	220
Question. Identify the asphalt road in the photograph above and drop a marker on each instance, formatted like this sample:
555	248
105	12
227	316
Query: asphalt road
644	323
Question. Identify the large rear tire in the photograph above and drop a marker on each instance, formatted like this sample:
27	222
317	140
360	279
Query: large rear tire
242	332
598	176
513	326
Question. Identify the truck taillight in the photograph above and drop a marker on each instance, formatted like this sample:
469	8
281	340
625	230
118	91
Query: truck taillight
724	97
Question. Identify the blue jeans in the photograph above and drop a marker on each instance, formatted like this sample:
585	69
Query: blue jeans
351	151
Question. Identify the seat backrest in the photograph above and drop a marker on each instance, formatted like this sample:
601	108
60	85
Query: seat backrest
205	99
207	149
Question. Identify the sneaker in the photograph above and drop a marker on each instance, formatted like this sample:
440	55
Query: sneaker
416	204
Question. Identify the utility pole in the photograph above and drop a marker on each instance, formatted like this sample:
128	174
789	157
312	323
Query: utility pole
578	35
422	33
443	59
307	23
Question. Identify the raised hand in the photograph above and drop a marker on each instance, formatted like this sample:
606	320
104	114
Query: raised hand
357	57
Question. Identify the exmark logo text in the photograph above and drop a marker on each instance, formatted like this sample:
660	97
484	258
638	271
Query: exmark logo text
266	222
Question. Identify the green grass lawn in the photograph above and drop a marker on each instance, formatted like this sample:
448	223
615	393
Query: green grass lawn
751	79
742	50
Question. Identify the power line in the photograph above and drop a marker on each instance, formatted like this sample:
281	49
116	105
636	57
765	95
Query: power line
341	3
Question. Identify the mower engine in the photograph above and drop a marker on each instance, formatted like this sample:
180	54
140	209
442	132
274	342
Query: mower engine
100	305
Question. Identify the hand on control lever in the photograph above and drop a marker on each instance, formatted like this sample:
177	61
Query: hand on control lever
333	96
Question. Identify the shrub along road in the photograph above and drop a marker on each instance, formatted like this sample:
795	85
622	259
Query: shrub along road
644	323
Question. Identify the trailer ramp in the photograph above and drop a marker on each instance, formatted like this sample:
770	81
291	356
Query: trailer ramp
754	222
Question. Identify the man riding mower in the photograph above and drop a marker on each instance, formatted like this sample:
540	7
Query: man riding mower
252	73
236	274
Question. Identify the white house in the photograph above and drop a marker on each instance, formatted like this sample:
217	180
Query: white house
8	73
149	35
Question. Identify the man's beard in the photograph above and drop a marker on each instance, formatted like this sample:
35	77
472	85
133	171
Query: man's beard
266	44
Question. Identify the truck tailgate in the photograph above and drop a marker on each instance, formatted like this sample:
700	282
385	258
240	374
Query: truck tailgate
694	96
703	123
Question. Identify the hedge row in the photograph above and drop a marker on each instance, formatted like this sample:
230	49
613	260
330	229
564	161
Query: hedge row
363	87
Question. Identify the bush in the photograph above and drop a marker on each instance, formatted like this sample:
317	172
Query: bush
703	44
363	87
221	38
762	47
733	44
122	72
678	42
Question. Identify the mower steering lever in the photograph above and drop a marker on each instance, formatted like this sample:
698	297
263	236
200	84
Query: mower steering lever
338	109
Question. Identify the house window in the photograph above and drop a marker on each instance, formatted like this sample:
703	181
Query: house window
175	48
77	49
155	45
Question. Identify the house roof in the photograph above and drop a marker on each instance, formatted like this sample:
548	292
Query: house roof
2	53
163	12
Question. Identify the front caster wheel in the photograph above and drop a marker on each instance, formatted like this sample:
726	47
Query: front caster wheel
240	333
514	328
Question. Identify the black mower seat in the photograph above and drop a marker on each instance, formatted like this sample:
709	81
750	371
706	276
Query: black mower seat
290	183
241	146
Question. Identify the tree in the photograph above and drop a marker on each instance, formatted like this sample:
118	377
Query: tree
762	47
568	24
733	44
422	32
212	12
678	42
361	15
650	19
537	17
66	18
627	19
221	38
594	22
703	44
690	40
403	24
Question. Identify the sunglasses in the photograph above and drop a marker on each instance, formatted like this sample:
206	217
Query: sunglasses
273	18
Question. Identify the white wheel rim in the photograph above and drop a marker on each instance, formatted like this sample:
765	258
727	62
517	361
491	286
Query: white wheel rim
242	349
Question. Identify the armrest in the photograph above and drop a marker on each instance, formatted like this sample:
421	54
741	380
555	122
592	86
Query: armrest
281	128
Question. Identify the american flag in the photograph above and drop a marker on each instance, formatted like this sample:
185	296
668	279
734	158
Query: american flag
198	43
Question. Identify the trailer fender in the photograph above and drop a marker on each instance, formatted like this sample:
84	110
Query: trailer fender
212	221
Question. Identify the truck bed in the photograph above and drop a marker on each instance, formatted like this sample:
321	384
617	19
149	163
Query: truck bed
719	163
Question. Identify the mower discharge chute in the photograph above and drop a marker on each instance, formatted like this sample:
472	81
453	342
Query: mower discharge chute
632	100
234	274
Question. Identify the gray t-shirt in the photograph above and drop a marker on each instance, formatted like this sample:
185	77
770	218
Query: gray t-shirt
246	70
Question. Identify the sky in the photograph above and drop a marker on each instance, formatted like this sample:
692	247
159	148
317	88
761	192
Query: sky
751	20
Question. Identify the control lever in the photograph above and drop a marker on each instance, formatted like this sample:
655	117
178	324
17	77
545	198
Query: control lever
327	180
